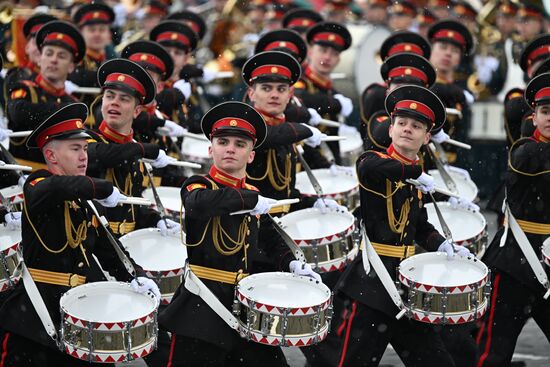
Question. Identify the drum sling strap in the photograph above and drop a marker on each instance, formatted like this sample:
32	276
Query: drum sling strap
525	246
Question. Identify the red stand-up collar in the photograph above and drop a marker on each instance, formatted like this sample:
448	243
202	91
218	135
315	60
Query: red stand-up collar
317	79
395	155
95	55
225	179
540	138
32	67
272	120
115	136
48	87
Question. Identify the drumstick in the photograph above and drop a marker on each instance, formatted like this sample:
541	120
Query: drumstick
224	74
87	90
175	163
133	200
277	204
15	167
329	123
436	189
20	134
335	76
459	144
186	134
454	111
333	138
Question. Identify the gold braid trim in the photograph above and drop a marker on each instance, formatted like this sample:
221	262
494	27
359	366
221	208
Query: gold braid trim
126	190
379	193
515	170
397	226
279	180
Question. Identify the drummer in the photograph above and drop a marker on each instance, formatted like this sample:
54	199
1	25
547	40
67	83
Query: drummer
517	296
115	155
222	247
62	244
394	219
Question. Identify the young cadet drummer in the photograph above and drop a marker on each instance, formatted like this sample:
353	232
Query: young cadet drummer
517	294
61	239
394	219
31	101
115	156
222	247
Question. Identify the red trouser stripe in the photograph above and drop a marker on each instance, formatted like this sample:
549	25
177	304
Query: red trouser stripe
172	347
342	326
490	322
4	349
348	331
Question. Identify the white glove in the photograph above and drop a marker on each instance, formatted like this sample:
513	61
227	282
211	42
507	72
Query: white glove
112	200
120	15
168	227
469	97
208	75
70	87
22	180
461	171
335	170
145	285
346	103
325	204
4	134
13	220
440	137
315	139
314	117
450	248
347	130
162	160
184	87
263	205
485	66
463	203
175	129
427	183
252	38
299	268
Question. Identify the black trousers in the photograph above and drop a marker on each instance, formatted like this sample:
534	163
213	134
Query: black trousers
180	351
366	332
512	305
460	342
17	351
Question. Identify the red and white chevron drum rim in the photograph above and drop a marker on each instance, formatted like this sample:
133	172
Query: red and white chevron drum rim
111	356
278	340
338	264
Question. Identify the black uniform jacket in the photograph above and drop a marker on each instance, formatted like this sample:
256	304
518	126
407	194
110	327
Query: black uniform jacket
208	200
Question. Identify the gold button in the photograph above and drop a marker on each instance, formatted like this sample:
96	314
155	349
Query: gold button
73	280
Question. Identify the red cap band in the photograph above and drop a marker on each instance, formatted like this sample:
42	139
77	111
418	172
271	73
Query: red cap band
529	13
421	108
405	47
401	9
58	128
35	28
507	9
542	94
301	22
148	59
462	10
62	37
282	44
538	52
194	26
266	70
95	15
329	37
403	71
173	36
128	80
236	123
155	10
450	34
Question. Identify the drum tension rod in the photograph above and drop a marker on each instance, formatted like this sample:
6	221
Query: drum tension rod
128	338
284	342
90	342
5	270
444	298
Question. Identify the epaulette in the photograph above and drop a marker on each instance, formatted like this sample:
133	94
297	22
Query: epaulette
251	187
198	182
380	154
36	180
300	85
514	93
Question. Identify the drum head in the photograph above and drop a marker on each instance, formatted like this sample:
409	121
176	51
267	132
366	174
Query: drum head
13	193
466	188
154	252
284	290
434	269
8	237
331	185
107	302
309	224
352	143
170	197
464	224
195	148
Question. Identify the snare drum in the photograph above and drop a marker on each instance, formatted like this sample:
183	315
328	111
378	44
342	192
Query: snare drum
162	258
14	195
108	322
351	149
342	187
282	309
170	198
467	227
329	240
196	151
442	291
466	187
10	257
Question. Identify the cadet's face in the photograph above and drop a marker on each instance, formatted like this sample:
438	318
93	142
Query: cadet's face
67	157
179	57
271	98
119	109
97	36
231	154
445	56
32	51
541	119
408	135
323	59
376	15
400	22
528	28
56	63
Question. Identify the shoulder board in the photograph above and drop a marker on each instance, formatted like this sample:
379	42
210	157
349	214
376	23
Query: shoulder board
300	84
36	180
251	187
380	154
18	93
197	182
514	93
194	186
